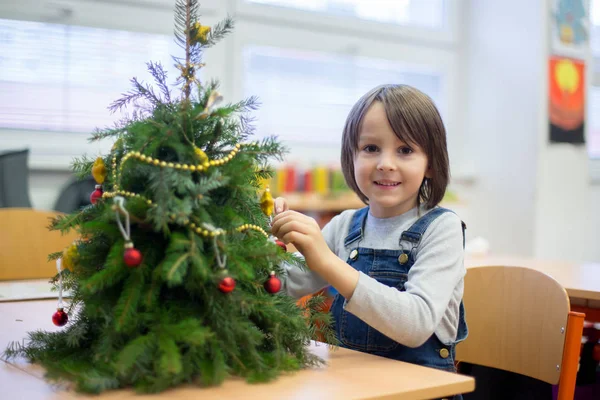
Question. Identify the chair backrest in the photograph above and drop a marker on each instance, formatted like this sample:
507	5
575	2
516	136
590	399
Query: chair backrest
517	319
14	179
75	195
25	243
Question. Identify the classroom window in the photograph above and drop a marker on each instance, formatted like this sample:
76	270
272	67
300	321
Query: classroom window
421	13
306	95
56	77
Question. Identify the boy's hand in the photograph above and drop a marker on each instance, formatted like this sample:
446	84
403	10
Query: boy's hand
281	205
304	233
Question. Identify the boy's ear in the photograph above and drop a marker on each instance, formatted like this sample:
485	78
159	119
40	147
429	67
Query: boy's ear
429	172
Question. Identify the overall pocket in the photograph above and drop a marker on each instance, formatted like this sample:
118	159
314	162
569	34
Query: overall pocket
356	334
395	279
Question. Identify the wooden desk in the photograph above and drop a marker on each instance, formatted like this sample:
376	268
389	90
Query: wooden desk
347	375
580	280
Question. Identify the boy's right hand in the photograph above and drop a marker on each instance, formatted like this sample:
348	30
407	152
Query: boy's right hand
281	205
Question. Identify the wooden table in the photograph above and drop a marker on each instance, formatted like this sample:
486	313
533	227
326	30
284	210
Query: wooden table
347	375
580	280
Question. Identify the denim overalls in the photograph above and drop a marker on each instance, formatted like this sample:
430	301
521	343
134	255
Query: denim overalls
391	267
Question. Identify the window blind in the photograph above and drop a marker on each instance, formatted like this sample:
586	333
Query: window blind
307	95
62	78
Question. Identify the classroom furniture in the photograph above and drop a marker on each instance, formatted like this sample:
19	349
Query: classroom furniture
14	179
75	195
26	242
348	374
520	320
581	280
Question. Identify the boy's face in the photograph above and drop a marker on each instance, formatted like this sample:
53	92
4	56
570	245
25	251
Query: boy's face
388	171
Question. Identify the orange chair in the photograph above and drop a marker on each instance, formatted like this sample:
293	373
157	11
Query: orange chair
520	321
25	243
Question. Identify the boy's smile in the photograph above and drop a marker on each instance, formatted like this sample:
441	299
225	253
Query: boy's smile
386	184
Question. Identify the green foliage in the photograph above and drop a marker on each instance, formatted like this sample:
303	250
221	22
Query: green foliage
165	322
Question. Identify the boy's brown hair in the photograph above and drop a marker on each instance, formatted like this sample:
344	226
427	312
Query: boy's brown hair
414	119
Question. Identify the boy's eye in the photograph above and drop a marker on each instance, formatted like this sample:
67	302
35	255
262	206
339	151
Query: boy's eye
405	150
370	148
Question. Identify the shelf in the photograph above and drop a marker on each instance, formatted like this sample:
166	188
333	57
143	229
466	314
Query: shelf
319	203
340	202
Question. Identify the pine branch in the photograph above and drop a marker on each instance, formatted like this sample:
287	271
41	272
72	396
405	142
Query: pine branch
189	331
189	17
126	307
246	127
218	32
139	91
245	106
160	76
170	358
65	222
114	271
82	166
120	129
321	321
150	298
13	350
199	270
133	351
213	368
94	381
174	268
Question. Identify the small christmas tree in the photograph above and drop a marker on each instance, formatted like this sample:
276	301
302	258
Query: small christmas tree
174	277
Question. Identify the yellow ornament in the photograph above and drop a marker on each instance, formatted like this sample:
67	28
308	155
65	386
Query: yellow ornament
70	257
266	202
201	155
99	171
201	32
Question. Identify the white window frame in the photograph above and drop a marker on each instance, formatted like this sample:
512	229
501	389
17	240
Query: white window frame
286	16
55	150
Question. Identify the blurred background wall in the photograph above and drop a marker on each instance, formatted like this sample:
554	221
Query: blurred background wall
484	62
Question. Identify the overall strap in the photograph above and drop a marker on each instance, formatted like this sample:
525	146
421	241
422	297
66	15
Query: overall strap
416	231
357	225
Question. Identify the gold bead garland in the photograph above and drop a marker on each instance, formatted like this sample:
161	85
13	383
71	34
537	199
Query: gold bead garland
124	193
114	172
163	164
220	232
257	228
185	167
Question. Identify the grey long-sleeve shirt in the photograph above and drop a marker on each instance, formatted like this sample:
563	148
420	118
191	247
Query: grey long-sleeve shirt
435	283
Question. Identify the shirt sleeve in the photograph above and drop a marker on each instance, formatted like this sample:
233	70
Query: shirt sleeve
298	282
412	316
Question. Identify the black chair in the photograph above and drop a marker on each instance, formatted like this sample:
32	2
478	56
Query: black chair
75	195
14	179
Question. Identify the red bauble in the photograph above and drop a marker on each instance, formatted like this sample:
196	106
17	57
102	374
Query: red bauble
227	284
281	244
273	284
60	318
132	257
96	194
